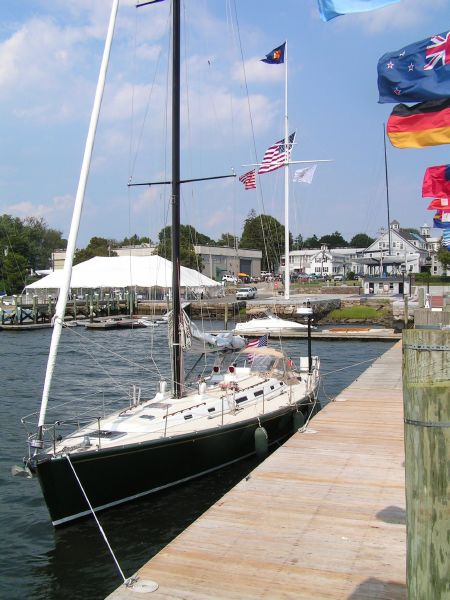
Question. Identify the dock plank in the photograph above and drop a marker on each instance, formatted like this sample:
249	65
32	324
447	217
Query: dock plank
323	517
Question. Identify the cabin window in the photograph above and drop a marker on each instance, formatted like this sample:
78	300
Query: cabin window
188	416
262	363
241	399
108	435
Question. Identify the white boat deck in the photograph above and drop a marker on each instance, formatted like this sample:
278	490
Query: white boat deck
230	399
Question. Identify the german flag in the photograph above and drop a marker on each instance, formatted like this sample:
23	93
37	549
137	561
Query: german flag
424	124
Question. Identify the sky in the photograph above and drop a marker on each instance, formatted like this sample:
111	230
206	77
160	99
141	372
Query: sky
232	110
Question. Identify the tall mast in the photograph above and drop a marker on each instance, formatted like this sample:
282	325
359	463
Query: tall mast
286	180
387	188
176	304
60	309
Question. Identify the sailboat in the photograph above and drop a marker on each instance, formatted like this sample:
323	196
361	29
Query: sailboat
241	408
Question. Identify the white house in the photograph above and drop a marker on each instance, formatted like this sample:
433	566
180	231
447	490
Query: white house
325	262
395	251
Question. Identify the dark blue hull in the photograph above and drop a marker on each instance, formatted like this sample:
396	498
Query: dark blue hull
124	473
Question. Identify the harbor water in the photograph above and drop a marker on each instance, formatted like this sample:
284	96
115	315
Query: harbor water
42	563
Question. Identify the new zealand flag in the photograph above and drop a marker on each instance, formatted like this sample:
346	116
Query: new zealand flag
417	72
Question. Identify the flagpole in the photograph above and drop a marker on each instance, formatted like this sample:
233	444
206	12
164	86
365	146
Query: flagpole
387	188
286	179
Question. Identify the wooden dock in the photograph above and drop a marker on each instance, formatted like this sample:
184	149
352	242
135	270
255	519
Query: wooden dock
341	334
322	517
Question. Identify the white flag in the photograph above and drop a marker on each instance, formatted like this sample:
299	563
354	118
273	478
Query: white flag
305	175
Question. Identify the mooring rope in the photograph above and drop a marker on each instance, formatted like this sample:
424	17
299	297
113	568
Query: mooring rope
349	366
125	580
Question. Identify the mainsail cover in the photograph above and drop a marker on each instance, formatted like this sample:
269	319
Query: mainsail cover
195	340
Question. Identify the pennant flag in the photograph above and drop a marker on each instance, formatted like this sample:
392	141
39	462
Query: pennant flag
305	175
329	9
276	57
258	343
416	73
249	180
436	182
441	220
424	124
446	238
440	204
275	156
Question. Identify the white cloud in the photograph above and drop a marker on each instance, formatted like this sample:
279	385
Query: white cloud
59	204
150	197
257	72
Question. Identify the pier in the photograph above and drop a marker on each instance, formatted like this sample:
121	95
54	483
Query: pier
322	517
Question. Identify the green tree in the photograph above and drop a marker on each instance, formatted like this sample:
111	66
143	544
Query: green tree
188	238
135	240
97	246
228	240
25	245
41	242
298	242
265	233
311	242
443	255
361	240
335	240
13	273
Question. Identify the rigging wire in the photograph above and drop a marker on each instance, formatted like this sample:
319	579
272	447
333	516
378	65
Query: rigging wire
108	350
255	152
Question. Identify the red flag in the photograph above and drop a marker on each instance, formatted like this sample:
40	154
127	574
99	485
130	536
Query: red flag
249	180
436	182
440	204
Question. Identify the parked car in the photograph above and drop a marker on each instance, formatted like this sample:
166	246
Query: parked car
245	294
338	278
229	279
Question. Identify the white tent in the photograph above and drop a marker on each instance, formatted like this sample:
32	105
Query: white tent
124	272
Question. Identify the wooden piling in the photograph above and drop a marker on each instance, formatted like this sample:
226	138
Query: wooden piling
421	297
91	308
35	309
426	393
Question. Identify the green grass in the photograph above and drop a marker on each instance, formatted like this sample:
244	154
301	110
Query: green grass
357	312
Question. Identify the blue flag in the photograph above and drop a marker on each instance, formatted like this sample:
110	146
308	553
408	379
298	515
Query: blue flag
335	8
276	57
417	72
441	220
446	238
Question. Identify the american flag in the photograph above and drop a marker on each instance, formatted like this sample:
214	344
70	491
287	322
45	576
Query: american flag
258	343
249	180
275	156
